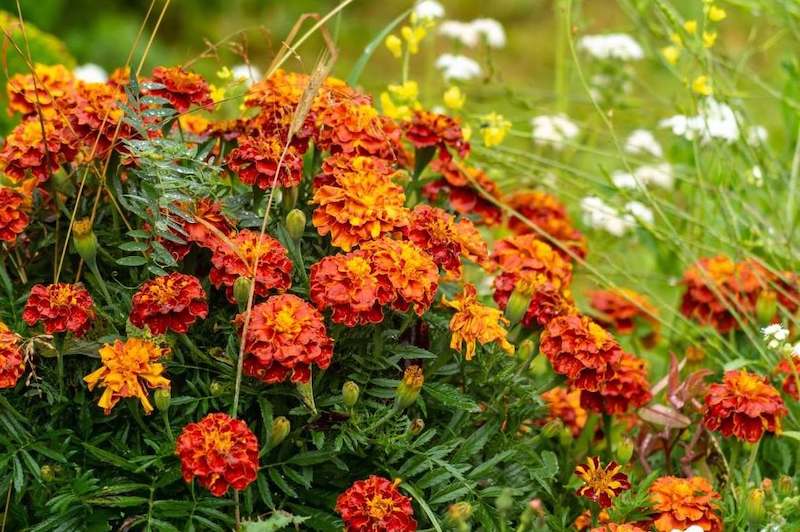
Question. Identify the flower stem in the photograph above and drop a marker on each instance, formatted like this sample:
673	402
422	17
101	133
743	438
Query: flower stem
751	462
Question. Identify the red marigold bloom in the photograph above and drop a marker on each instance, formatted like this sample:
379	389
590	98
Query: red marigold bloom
526	253
466	188
580	349
410	272
601	484
429	130
13	219
475	323
256	161
207	228
347	285
626	387
718	288
26	148
744	405
683	502
169	302
565	405
790	383
621	309
272	272
355	128
45	89
358	206
128	369
181	88
220	451
60	307
12	363
549	214
374	505
284	337
546	301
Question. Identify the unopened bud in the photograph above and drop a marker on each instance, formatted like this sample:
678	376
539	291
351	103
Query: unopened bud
766	306
162	398
754	506
766	485
565	437
623	450
280	429
350	393
504	501
552	428
525	350
85	240
540	365
241	291
296	224
785	486
48	473
289	198
459	512
518	304
216	388
416	426
408	389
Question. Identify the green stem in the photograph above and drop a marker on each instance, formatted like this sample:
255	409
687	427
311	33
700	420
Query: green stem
751	462
167	426
58	343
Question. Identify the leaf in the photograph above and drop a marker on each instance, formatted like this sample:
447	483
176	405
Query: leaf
132	260
664	416
108	457
277	521
279	481
411	490
450	396
408	351
311	458
118	502
134	246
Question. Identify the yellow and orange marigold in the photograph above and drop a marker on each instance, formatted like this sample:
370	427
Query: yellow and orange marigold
744	405
30	149
256	160
549	214
95	115
12	363
169	302
45	89
285	336
129	369
13	219
466	188
527	253
220	451
475	323
181	88
601	484
626	388
375	504
432	130
565	405
355	128
60	308
683	502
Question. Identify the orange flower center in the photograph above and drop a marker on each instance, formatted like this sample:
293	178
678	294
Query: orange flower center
378	507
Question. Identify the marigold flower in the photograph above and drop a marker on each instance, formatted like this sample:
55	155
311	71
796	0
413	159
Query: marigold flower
183	89
790	383
623	527
684	502
257	158
621	308
475	323
601	484
584	521
375	504
273	270
13	219
787	291
744	405
347	285
169	302
626	387
466	188
565	405
60	307
285	336
12	363
355	128
358	206
96	117
45	90
410	272
433	130
220	451
580	349
528	254
546	301
28	149
128	369
342	164
550	215
203	223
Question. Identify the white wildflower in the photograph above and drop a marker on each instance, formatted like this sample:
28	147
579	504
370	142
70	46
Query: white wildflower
599	215
249	74
659	175
464	32
714	120
491	30
611	46
775	335
640	212
429	10
553	130
757	135
90	73
642	141
625	180
458	67
756	177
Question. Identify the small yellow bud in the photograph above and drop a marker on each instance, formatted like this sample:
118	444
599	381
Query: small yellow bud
754	506
162	398
84	239
216	388
671	54
350	393
709	38
395	45
716	14
785	486
413	36
702	86
408	389
280	429
459	512
454	99
690	26
466	132
241	291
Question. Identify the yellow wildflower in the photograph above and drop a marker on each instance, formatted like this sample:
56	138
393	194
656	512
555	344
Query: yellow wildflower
702	85
716	14
690	26
671	54
224	73
494	129
454	98
676	39
392	110
217	93
466	132
395	45
413	36
406	92
709	38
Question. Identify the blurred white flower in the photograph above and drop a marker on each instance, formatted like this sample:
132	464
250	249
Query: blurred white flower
463	32
715	120
429	10
599	215
625	180
643	141
757	135
611	46
90	73
659	175
775	335
756	177
491	30
639	211
249	74
458	67
553	130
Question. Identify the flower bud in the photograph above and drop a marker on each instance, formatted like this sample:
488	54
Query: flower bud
280	429
785	486
518	304
552	428
754	508
565	438
408	389
48	473
296	224
459	512
416	426
766	485
504	501
216	388
85	240
162	398
623	450
766	306
540	366
350	393
525	350
241	291
289	198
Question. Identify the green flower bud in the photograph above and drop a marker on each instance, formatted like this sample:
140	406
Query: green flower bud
518	304
766	306
565	437
162	398
280	429
459	512
85	240
540	365
216	388
785	486
290	196
350	393
552	428
241	291
525	350
408	389
416	426
48	473
623	450
504	501
754	506
296	224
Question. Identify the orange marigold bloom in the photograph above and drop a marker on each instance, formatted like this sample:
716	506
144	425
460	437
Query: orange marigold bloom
526	253
601	484
96	116
409	271
565	405
272	272
13	219
375	504
790	383
181	88
461	185
475	323
285	337
129	369
621	308
580	349
744	405
347	285
626	387
550	215
342	164
12	363
355	128
45	89
27	149
546	301
220	451
203	223
614	527
433	130
584	521
256	161
60	307
357	207
169	302
683	502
